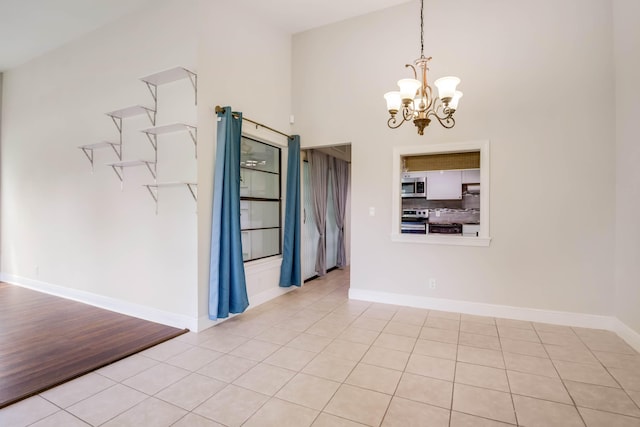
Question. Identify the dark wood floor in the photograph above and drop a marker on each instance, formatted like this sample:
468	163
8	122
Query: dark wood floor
46	340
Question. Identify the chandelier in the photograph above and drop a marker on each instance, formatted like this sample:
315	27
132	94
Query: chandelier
415	100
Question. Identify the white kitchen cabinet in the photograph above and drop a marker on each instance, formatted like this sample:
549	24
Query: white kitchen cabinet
444	185
471	176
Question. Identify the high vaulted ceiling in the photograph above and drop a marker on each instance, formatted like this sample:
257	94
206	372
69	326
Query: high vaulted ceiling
29	28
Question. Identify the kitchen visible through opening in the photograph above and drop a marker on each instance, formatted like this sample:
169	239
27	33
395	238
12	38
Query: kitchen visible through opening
439	196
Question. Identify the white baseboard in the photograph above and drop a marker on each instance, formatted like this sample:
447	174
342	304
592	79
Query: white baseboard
205	323
626	333
254	300
583	320
610	323
135	310
268	295
112	304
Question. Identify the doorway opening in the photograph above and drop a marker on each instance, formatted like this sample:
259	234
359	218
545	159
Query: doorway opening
310	229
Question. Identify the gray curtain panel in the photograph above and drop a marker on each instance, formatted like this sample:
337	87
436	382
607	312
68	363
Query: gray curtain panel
340	184
319	173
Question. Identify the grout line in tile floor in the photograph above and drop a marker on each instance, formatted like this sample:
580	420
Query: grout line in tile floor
360	359
455	366
377	336
504	361
564	386
612	376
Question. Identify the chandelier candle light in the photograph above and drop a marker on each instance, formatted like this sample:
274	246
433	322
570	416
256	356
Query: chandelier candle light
415	99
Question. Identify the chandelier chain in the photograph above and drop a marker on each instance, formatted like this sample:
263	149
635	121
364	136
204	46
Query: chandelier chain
421	28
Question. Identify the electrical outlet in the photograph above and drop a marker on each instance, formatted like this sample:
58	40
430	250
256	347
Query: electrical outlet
432	283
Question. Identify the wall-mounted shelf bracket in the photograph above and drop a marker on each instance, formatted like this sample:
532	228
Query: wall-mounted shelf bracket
152	133
168	76
88	150
118	168
153	139
153	189
118	117
136	110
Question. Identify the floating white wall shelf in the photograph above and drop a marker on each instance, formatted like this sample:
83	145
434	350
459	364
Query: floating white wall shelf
134	110
152	133
89	148
153	189
117	116
151	166
168	76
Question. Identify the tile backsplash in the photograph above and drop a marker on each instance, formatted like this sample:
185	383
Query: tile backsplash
448	216
469	201
463	211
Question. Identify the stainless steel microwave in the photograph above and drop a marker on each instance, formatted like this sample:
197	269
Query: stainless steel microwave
414	184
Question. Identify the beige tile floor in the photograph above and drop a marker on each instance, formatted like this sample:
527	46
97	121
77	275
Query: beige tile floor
314	358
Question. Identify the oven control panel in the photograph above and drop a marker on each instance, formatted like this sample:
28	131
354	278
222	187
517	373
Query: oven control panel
415	213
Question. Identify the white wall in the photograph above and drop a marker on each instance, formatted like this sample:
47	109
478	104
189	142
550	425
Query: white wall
74	233
538	83
1	76
1	80
627	61
246	64
69	231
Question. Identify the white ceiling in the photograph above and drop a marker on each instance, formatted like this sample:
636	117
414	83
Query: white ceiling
300	15
29	28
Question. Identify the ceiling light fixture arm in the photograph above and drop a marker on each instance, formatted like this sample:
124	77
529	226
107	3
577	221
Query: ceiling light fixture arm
415	73
447	121
392	121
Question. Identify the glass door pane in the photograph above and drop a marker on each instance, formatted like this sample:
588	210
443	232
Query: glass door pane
310	232
331	229
311	235
260	243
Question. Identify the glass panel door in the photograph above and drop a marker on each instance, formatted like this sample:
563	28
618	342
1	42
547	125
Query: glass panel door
310	232
331	229
311	235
